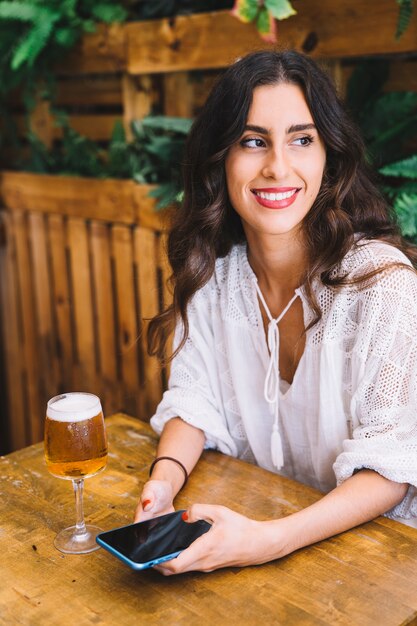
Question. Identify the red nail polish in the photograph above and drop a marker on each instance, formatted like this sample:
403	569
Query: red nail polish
185	516
145	503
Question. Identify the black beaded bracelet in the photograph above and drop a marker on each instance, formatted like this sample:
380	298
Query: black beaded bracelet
170	458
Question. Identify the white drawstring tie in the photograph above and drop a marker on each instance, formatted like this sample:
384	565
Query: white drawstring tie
271	386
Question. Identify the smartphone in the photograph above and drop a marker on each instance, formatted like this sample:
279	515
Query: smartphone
153	541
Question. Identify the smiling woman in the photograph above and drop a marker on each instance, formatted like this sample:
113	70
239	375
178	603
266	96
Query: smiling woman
294	312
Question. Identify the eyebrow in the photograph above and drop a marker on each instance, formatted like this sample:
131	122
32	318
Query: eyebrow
294	128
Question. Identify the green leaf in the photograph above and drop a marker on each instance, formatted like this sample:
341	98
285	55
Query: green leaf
119	161
391	109
166	194
22	11
167	123
406	168
89	26
40	160
404	16
32	45
118	134
280	9
263	22
246	10
405	207
109	12
388	145
365	86
67	36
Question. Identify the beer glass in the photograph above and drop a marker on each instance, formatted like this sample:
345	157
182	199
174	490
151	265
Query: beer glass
75	448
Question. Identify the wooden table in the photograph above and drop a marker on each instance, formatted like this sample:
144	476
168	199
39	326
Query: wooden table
367	576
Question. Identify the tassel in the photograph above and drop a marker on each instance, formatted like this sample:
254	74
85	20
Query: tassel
276	448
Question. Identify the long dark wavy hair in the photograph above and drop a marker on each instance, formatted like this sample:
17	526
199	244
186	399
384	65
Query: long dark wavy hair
206	226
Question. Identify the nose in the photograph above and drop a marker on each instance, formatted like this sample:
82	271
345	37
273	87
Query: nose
275	164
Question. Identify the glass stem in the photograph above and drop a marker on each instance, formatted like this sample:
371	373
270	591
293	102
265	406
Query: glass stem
78	485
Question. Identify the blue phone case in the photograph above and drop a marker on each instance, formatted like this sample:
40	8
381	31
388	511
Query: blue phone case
133	564
172	525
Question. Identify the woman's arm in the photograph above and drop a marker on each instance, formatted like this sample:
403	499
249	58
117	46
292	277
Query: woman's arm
180	441
359	499
235	540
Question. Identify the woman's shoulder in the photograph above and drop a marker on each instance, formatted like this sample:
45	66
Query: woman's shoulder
367	255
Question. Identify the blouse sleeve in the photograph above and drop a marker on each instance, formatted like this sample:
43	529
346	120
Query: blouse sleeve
384	395
193	391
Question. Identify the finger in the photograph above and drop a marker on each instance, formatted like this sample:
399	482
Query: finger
145	505
141	515
210	513
165	571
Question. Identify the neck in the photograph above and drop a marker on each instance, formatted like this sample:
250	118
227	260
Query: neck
279	263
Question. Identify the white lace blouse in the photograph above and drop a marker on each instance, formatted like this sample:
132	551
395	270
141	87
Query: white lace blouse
353	400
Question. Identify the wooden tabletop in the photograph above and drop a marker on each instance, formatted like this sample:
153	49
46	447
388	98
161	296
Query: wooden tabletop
366	576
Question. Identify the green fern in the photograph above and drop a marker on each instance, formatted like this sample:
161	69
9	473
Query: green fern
42	32
405	207
406	168
404	16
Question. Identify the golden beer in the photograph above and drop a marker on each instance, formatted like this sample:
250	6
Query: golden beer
75	437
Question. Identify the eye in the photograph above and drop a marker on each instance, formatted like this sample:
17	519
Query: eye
306	140
252	142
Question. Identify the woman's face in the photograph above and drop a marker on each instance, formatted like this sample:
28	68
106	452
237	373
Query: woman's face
274	171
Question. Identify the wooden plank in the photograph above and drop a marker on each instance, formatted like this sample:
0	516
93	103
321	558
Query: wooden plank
178	95
48	366
402	75
138	99
146	250
98	53
105	316
29	357
203	82
107	200
95	126
84	90
61	300
146	214
104	90
214	40
12	340
127	318
165	270
41	121
84	315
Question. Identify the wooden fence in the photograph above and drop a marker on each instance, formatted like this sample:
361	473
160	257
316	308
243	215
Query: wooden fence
82	264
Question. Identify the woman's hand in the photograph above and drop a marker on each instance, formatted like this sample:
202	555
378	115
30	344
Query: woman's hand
233	541
156	499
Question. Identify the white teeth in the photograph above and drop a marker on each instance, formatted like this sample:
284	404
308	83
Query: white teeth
273	197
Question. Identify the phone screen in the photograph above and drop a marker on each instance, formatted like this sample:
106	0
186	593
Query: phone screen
153	541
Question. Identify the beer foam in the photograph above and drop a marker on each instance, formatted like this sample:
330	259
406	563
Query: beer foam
73	407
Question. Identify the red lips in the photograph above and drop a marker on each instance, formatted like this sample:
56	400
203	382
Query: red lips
272	203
